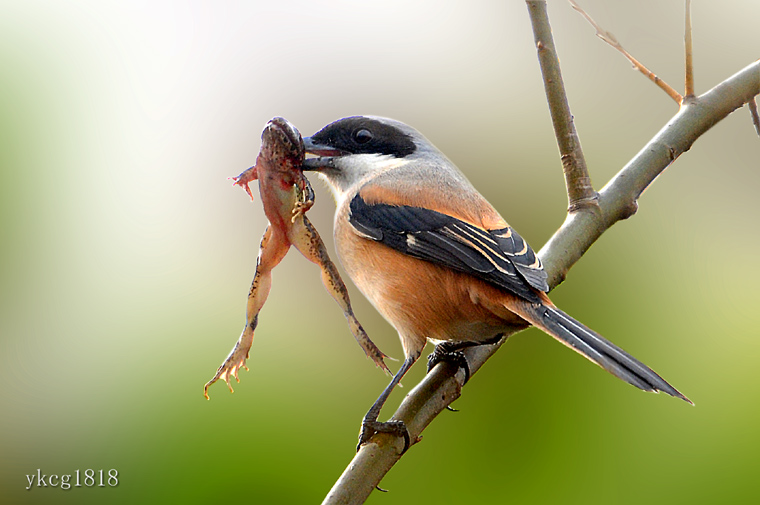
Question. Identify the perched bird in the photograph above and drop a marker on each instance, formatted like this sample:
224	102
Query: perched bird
435	258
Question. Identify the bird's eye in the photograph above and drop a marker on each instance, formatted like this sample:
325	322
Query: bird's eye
362	136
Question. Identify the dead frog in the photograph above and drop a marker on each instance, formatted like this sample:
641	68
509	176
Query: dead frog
286	195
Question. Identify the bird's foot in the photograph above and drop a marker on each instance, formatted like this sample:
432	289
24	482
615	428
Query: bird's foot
445	352
370	428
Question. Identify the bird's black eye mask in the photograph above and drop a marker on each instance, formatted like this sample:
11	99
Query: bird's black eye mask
361	135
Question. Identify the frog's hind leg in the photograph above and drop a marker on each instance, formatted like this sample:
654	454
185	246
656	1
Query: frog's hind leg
306	239
272	250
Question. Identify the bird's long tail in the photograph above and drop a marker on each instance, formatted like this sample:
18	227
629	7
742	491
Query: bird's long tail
596	348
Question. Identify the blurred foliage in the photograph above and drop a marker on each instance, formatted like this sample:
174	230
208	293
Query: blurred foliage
126	254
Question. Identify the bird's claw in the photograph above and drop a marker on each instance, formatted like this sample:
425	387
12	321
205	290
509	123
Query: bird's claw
442	354
370	428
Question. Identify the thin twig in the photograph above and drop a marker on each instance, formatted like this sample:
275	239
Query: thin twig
689	85
580	193
752	104
617	200
611	40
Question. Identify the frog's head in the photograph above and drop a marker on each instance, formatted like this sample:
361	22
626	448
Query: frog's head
283	139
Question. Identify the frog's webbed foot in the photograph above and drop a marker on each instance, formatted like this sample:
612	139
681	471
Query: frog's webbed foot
235	361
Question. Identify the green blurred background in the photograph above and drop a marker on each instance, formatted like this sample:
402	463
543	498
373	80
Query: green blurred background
127	255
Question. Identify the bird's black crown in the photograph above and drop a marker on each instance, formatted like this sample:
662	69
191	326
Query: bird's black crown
364	135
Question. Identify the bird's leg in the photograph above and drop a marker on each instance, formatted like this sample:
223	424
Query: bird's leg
370	424
451	352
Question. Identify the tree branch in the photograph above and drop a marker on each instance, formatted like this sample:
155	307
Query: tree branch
617	200
688	49
580	192
752	105
611	40
429	398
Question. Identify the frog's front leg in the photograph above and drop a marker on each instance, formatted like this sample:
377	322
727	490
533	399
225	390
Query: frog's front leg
246	177
306	239
273	248
305	199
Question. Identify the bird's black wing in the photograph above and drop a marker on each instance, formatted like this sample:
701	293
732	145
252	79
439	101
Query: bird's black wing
503	258
500	257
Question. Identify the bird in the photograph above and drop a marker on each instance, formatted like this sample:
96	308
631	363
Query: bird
436	259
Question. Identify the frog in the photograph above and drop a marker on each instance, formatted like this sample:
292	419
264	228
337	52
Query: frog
286	196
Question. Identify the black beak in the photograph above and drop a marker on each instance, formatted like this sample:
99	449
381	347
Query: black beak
326	155
320	149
